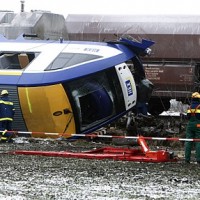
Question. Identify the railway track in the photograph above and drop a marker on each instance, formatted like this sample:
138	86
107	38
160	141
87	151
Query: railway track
151	125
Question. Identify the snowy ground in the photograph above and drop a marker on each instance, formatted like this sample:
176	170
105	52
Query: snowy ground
39	178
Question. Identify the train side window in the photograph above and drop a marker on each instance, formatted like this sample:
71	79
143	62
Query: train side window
64	60
4	63
93	101
16	60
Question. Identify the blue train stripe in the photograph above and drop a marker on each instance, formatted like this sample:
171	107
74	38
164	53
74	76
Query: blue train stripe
52	77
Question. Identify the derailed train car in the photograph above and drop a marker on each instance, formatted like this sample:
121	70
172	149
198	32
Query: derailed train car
174	65
69	87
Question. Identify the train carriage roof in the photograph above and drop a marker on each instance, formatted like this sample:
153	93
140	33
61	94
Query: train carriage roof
176	36
141	24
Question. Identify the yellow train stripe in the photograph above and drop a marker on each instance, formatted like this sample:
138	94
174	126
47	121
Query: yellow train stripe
28	100
10	73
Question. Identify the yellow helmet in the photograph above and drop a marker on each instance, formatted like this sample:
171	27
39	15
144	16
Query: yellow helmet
195	95
3	92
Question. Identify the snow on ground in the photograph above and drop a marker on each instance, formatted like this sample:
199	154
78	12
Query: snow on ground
36	177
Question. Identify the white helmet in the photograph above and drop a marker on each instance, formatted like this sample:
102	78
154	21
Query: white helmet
3	92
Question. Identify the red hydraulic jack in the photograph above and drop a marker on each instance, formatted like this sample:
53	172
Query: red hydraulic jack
141	154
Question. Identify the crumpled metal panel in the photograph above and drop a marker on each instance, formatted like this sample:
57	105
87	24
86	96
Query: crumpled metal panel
175	36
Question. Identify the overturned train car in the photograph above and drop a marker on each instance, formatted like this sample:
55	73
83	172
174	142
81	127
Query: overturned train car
174	64
69	87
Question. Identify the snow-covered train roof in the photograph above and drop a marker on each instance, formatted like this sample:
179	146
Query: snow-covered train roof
176	36
129	24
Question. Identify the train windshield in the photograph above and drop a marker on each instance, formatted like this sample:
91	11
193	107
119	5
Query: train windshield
97	98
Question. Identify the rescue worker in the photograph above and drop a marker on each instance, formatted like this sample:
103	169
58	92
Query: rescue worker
7	112
193	127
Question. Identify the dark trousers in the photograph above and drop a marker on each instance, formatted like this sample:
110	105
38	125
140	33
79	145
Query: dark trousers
192	131
7	136
6	124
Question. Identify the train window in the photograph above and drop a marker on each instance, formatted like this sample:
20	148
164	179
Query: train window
96	98
16	60
69	59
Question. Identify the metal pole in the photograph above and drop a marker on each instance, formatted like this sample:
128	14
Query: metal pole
93	135
136	137
22	5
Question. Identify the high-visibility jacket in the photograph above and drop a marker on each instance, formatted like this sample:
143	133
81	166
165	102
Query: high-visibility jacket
7	109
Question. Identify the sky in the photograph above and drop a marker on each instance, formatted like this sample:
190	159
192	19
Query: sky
65	7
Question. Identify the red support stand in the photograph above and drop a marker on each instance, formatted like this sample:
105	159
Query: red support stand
140	154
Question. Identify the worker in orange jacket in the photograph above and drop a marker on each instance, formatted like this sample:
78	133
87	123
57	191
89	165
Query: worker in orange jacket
193	127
